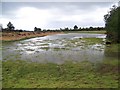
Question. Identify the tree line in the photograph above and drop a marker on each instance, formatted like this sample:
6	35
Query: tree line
11	27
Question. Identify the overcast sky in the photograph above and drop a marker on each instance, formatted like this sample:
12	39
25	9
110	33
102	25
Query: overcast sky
54	15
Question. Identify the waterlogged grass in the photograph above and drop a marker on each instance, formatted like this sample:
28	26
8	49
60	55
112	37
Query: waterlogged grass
21	74
90	41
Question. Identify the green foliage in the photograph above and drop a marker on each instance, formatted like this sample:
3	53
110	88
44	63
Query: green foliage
112	24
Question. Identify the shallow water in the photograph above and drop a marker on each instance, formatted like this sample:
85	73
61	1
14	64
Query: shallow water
56	49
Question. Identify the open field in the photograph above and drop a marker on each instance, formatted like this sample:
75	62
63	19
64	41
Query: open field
21	74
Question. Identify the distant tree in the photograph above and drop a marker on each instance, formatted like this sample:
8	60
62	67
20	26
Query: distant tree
60	29
79	29
1	27
66	29
75	27
91	28
98	28
10	26
44	30
37	29
20	30
112	24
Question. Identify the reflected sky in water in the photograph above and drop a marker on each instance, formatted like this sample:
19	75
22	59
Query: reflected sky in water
56	49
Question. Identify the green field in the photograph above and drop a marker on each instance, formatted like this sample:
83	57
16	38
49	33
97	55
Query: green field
21	74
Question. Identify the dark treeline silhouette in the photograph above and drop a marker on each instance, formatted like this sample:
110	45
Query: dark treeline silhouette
83	29
11	28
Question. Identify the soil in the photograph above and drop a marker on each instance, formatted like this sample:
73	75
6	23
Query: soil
11	36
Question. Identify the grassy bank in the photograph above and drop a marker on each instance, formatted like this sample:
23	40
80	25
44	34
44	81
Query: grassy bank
15	36
21	74
94	32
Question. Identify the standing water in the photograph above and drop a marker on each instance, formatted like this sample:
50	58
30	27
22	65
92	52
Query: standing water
56	48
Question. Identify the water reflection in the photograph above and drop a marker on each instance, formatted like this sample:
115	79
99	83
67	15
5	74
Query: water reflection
56	48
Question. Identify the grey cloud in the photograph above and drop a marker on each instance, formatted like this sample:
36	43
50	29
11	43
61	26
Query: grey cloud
68	8
9	6
64	8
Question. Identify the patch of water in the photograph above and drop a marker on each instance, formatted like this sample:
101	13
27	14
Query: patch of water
56	49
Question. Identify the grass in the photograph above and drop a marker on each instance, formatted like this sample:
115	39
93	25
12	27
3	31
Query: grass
93	32
113	48
22	74
92	40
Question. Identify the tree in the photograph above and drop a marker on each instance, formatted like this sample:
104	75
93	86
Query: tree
10	26
37	29
1	27
112	24
75	27
66	29
80	29
91	28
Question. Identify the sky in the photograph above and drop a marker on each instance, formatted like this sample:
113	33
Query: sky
53	15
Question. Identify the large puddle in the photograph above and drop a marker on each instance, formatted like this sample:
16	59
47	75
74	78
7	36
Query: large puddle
56	48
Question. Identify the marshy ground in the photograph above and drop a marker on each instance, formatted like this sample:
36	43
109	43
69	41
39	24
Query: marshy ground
61	61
